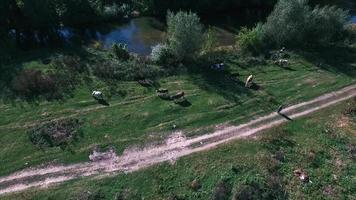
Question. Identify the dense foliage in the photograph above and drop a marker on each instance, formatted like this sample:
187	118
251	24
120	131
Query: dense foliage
296	24
131	70
37	21
58	133
162	54
185	34
205	7
120	51
33	84
250	40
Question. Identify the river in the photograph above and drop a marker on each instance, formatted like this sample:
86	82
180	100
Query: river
140	34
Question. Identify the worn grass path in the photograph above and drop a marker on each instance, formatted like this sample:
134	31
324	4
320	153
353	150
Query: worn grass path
173	148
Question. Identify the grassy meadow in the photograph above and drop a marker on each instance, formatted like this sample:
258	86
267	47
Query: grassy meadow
136	116
322	144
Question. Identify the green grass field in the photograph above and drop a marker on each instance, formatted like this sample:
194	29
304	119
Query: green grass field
322	144
141	117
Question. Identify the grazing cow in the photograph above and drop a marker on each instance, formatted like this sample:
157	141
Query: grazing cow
249	81
282	62
178	95
98	95
219	66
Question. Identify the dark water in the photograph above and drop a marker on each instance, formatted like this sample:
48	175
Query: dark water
353	19
140	34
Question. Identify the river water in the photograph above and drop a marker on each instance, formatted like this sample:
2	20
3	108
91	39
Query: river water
140	34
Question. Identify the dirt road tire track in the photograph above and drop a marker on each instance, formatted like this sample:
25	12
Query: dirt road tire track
174	148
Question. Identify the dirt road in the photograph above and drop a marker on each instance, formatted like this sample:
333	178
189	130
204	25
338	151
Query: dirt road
174	147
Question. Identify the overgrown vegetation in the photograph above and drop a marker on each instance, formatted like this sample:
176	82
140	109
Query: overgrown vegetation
56	134
120	51
54	84
130	70
185	35
288	24
294	24
250	40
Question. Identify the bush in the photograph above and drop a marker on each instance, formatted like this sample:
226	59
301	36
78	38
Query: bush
250	40
351	34
248	191
288	23
222	191
162	54
327	24
131	70
120	51
138	69
58	133
71	63
116	11
30	84
295	24
185	35
210	40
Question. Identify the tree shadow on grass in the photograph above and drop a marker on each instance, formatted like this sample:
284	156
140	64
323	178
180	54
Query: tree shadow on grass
222	83
333	59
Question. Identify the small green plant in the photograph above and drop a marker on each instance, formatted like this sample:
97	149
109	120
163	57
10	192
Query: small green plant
210	40
120	51
162	54
250	40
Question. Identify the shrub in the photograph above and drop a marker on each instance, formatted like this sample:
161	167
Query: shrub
351	34
120	51
185	35
221	191
327	24
162	54
71	63
30	84
135	69
295	24
116	11
287	24
140	69
210	40
250	40
106	70
58	133
248	191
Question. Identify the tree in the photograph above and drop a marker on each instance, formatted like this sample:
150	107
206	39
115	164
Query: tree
296	24
286	25
327	24
185	34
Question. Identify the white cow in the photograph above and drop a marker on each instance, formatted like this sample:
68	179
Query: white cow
98	95
249	81
282	62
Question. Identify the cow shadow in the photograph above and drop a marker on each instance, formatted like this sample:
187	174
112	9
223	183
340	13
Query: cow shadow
103	102
184	103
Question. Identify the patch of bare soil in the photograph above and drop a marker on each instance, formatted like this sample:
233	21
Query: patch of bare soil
133	159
